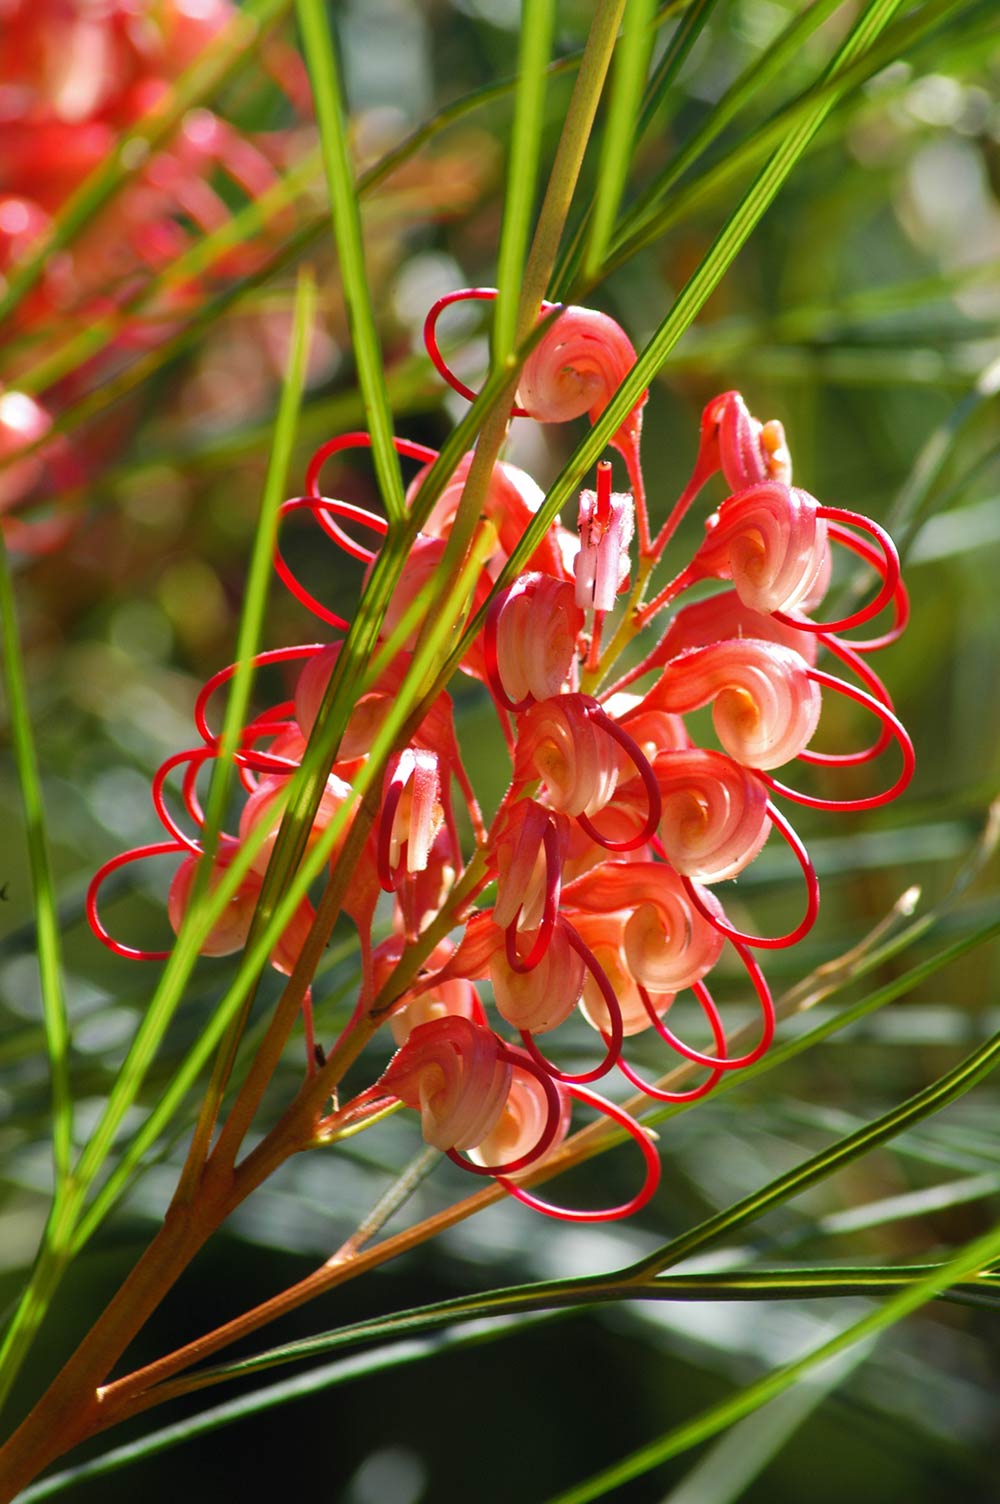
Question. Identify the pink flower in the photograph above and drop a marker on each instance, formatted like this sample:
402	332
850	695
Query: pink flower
456	1075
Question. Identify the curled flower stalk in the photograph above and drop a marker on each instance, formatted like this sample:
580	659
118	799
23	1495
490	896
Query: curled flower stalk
612	846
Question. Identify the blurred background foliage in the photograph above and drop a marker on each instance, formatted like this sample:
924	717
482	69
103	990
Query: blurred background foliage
863	314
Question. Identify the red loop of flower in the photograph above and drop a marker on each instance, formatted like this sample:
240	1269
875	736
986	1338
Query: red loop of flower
294	585
274	722
359	439
721	1061
607	1214
272	655
888	567
321	508
195	760
768	942
644	769
847	653
659	1093
900	596
553	848
552	1120
463	295
888	718
612	1041
130	952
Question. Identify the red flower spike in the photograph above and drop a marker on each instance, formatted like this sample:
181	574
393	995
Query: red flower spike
612	1213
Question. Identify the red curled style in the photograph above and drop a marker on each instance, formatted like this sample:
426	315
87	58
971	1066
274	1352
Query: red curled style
130	952
721	1061
641	762
554	1120
358	439
888	719
768	942
888	569
273	655
613	1040
194	760
463	295
324	509
660	1093
553	847
848	654
611	1213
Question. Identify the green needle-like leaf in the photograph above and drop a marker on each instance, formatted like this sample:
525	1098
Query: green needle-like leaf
332	116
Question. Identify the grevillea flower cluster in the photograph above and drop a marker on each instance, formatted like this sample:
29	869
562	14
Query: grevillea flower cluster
74	76
602	865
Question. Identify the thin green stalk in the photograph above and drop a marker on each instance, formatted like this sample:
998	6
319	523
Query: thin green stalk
942	1091
839	80
657	94
765	68
627	77
31	1308
537	25
241	684
345	214
974	1257
42	882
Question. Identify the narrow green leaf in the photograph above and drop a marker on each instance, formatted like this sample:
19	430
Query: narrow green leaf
248	644
675	53
742	1453
973	1257
627	77
942	1091
839	82
332	117
537	25
766	67
42	881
